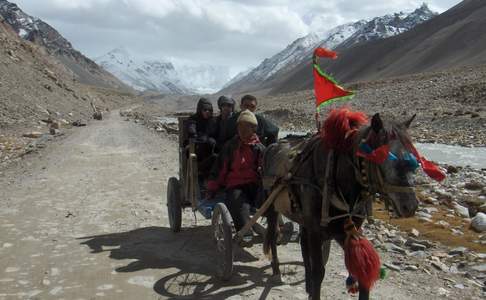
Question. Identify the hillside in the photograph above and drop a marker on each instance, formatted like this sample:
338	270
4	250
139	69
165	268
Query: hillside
455	38
35	86
40	33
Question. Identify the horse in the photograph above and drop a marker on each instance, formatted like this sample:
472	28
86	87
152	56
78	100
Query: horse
329	182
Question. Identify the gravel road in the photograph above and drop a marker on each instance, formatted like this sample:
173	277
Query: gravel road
85	218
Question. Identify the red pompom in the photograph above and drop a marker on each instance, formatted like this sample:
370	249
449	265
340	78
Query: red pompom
362	262
340	126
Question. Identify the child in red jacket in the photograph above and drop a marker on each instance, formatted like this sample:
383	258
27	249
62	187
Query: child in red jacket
238	169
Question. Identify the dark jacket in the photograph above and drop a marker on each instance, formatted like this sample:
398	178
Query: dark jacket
267	131
237	164
198	128
220	131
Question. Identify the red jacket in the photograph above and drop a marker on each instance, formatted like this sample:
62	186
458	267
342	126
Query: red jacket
237	165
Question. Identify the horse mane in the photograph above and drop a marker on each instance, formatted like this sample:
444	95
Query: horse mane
340	127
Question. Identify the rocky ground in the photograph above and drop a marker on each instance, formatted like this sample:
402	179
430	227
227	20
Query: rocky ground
85	218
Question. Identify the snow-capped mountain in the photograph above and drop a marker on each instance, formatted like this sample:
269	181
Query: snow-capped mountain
39	32
202	79
162	75
342	36
146	75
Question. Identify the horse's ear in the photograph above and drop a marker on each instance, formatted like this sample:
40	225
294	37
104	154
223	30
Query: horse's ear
376	123
408	122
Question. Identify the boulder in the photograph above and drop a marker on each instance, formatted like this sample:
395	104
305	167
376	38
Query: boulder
478	223
33	134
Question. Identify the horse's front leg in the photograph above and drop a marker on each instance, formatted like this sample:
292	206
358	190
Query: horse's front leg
314	240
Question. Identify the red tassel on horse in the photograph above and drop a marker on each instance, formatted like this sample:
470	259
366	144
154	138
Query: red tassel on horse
361	259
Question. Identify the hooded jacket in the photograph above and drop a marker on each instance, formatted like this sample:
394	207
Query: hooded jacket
197	127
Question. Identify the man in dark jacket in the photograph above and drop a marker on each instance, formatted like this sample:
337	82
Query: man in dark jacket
199	129
266	130
226	107
237	170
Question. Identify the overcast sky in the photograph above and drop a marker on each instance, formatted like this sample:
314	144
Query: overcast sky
236	33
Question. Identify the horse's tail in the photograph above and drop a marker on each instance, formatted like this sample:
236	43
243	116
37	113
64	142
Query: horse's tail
271	234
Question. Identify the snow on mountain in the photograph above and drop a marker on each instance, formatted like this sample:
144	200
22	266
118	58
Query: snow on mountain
341	36
162	75
389	25
237	77
202	78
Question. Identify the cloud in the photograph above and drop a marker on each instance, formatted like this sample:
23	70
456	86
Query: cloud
237	33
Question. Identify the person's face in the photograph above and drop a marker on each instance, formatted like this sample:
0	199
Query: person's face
226	110
206	113
251	105
246	131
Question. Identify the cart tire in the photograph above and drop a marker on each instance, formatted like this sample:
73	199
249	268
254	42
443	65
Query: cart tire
174	207
222	230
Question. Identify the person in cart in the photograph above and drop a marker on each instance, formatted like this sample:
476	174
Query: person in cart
267	131
237	170
199	129
226	107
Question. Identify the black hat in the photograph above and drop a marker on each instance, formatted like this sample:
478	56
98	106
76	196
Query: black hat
225	100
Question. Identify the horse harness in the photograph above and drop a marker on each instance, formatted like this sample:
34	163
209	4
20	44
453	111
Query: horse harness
367	174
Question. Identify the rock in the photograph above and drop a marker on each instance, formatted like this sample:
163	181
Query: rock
443	292
422	214
473	185
456	232
33	135
395	248
458	251
420	254
425	220
452	169
461	210
430	210
478	223
79	123
55	125
443	224
479	268
392	267
440	266
414	232
54	131
411	268
417	247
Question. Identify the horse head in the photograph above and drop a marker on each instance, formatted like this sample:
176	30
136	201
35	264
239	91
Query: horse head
389	162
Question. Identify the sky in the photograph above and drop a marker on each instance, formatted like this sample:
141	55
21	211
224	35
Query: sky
234	33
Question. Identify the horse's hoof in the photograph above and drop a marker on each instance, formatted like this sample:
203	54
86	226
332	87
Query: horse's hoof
276	279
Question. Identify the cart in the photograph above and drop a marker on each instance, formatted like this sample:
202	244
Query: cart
184	192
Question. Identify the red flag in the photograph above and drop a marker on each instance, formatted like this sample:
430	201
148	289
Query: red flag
326	89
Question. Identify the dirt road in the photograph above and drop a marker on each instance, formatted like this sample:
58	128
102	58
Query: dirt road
86	219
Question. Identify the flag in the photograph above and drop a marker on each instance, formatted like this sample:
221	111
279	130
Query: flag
326	89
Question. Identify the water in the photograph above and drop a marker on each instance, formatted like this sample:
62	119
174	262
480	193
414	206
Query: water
454	155
441	153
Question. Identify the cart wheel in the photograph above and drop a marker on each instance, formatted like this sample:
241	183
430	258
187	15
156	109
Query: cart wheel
222	228
174	207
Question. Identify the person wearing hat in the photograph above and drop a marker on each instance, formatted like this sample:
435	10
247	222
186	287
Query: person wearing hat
266	130
237	170
226	107
199	128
